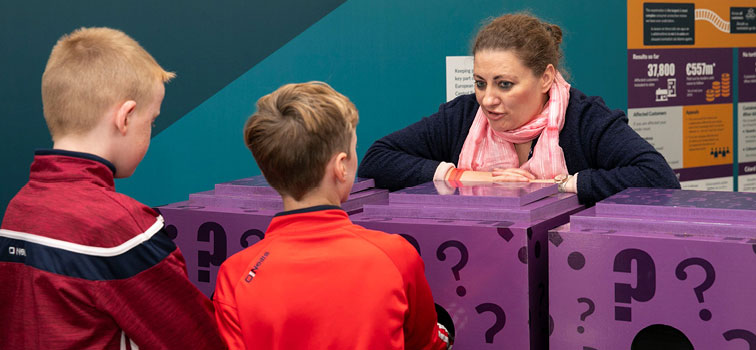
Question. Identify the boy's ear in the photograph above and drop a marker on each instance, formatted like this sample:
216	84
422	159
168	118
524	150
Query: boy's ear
122	114
340	170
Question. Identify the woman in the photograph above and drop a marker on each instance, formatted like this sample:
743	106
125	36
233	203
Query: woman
524	122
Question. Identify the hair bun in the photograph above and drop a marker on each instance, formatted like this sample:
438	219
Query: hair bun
556	33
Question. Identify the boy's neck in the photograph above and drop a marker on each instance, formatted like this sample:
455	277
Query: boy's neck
329	192
83	145
311	199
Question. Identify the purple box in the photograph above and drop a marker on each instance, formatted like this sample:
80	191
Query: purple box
648	264
273	202
542	209
501	195
684	205
210	227
209	235
257	185
486	266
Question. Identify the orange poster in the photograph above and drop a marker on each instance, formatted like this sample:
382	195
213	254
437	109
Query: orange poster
707	135
686	24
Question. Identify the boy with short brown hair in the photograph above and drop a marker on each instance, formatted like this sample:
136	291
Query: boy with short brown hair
318	281
84	266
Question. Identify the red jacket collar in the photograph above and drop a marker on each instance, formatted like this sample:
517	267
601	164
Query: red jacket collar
59	165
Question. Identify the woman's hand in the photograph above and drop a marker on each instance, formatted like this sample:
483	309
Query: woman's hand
567	183
512	175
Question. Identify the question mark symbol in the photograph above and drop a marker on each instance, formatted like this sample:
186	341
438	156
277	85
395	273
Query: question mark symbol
171	231
412	241
501	319
541	304
461	291
205	258
252	232
645	285
741	334
584	315
705	314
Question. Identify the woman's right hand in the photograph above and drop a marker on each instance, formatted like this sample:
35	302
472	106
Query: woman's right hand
512	175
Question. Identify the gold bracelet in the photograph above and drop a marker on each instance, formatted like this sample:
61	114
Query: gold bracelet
562	183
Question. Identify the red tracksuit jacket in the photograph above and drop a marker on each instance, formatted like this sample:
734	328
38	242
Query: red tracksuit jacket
318	281
84	267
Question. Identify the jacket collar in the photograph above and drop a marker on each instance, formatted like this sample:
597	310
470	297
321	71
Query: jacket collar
52	165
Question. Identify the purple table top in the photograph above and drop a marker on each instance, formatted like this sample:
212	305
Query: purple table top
589	221
537	210
196	207
274	202
210	199
257	185
709	206
501	195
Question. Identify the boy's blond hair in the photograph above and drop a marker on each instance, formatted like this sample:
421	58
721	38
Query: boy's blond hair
295	132
89	71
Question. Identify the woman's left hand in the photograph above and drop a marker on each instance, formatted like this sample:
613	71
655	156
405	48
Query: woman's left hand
512	175
567	183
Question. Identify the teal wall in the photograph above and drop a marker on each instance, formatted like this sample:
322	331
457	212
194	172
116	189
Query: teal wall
387	56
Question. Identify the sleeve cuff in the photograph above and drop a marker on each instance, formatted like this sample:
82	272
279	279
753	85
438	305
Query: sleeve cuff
571	185
441	171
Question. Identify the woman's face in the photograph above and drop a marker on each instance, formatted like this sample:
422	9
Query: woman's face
508	91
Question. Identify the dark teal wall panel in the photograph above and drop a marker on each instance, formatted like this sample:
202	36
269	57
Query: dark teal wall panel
387	56
208	43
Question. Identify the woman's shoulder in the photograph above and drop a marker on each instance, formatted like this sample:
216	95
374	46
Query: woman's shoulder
582	106
463	104
580	100
463	99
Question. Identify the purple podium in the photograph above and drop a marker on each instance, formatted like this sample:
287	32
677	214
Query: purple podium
652	265
484	249
214	225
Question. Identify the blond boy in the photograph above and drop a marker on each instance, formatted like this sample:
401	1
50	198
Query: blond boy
318	281
84	267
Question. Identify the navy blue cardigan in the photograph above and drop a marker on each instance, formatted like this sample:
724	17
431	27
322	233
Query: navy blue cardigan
597	142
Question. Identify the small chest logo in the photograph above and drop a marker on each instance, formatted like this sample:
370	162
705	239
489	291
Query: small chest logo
253	271
17	251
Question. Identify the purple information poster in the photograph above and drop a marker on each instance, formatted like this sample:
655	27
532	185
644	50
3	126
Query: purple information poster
747	119
681	87
680	101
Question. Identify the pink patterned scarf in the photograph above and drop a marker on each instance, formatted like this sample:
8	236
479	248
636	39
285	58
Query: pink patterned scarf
485	149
